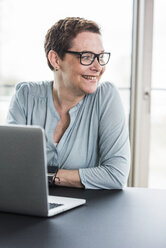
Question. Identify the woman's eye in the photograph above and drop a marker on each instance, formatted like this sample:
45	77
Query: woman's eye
101	56
86	57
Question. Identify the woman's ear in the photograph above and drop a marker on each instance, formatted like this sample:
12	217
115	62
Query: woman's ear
54	59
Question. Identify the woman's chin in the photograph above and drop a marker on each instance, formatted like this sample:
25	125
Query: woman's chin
90	89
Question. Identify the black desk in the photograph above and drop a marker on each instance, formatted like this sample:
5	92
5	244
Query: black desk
129	218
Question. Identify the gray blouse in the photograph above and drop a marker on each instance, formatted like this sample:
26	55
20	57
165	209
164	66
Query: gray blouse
96	141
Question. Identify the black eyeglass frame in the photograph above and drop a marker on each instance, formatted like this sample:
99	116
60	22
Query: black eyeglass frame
95	56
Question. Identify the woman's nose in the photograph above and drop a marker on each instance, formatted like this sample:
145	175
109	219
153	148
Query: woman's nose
95	65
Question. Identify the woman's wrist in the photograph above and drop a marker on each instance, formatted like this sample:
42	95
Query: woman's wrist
68	178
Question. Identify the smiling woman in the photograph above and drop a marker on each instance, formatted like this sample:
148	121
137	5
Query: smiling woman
84	121
73	76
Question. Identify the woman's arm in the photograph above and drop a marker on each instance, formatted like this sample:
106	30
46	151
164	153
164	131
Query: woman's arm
114	149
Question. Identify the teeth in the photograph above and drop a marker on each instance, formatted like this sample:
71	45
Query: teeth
90	77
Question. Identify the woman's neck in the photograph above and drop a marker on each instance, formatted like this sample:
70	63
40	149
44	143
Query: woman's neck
63	99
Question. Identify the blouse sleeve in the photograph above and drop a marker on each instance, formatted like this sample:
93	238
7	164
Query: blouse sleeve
17	112
114	150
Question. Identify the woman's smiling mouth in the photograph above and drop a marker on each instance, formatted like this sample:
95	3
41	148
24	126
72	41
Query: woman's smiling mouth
90	77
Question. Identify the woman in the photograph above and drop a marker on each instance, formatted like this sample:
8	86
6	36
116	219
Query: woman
84	122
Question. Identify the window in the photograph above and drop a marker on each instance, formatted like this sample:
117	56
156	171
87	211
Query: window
157	164
25	23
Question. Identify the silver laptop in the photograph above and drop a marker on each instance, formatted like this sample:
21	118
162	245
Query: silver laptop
23	174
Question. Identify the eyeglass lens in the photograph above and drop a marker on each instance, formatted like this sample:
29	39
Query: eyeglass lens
88	58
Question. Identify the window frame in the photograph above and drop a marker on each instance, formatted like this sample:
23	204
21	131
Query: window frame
141	71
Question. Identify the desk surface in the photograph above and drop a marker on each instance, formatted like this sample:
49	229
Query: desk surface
115	219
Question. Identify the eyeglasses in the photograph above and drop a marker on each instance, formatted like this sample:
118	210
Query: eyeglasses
87	58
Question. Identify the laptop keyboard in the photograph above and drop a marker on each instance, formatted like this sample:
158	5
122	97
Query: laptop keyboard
54	205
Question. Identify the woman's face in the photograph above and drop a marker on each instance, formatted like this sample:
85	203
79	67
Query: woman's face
75	77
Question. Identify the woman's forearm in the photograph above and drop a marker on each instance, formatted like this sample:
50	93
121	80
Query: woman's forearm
68	178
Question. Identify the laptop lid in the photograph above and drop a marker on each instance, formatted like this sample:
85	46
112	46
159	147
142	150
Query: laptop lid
23	170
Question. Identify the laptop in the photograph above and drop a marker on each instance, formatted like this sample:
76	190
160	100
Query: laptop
23	174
